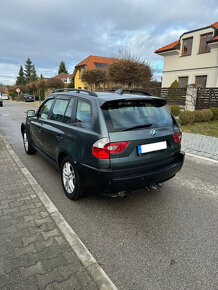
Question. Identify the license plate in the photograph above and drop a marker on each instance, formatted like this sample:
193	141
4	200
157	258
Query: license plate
152	147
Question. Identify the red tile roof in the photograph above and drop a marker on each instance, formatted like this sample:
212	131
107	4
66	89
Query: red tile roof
90	61
215	24
174	44
168	47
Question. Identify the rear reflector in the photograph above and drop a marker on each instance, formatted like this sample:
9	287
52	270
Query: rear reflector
103	148
177	137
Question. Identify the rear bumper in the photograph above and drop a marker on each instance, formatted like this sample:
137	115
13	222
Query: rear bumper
109	181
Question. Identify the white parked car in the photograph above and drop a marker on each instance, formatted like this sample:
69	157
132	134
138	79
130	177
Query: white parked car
5	97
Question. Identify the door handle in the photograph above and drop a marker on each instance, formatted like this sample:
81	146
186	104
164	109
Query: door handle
59	138
39	128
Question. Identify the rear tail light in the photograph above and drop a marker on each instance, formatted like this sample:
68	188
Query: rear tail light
103	148
177	137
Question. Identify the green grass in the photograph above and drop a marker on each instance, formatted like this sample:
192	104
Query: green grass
205	128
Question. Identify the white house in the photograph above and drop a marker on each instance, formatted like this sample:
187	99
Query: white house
193	59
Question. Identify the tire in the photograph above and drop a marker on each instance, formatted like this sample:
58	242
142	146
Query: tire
70	179
27	144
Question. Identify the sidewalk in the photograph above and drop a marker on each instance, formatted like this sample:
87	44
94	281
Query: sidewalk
37	249
201	145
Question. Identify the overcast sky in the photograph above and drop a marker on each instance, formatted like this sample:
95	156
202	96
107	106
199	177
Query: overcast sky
49	31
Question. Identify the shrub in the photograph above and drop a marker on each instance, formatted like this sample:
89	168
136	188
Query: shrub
175	110
199	116
215	113
207	114
187	117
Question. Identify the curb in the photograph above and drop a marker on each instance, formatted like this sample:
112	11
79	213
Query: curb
83	254
201	157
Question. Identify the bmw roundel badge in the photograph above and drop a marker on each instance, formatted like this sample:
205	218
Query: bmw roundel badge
153	132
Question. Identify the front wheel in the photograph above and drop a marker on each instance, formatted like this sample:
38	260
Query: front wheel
70	179
27	144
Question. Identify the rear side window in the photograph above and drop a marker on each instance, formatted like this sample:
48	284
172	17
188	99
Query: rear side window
83	113
121	115
59	110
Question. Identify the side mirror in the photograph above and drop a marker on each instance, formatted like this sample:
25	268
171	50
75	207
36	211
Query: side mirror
30	113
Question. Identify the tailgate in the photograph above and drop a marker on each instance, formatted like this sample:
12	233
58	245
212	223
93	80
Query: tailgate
144	148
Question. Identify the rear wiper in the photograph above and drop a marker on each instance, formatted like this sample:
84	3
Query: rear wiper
137	126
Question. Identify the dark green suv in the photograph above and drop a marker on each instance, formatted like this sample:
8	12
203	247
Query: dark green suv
110	142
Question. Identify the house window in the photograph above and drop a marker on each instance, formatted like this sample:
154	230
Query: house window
187	46
203	42
183	81
201	81
65	80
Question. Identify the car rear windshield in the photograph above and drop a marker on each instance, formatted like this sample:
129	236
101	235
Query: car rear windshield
127	114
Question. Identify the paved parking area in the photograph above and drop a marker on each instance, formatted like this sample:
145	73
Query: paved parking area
197	144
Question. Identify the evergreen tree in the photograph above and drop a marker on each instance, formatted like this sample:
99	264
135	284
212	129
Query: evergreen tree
33	76
28	70
41	77
62	68
21	78
175	84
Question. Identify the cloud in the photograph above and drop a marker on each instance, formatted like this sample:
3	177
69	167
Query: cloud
49	31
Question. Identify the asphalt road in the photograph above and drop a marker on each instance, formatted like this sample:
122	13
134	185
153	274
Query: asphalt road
165	239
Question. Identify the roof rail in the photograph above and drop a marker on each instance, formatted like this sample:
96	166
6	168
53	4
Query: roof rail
91	93
123	91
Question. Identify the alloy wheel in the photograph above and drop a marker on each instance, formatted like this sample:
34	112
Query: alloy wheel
68	175
25	141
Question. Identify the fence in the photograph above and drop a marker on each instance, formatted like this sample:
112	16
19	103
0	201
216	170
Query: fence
206	98
174	96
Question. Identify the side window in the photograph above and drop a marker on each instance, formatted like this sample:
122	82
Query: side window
83	113
68	113
59	109
44	111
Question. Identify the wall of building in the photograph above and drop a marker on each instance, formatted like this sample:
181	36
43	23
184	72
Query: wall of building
77	79
176	65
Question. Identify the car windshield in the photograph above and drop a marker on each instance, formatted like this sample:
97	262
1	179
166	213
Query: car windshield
135	114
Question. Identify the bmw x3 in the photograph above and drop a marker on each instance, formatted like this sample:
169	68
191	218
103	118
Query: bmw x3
107	141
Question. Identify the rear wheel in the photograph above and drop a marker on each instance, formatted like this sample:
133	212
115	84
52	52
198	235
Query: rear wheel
27	144
70	179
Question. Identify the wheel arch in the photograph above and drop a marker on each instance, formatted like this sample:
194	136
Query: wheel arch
23	127
61	157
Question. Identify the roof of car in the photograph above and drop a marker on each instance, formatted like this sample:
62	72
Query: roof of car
103	97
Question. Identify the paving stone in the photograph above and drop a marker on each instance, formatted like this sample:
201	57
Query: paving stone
24	250
48	278
33	252
32	270
49	234
52	263
204	146
31	239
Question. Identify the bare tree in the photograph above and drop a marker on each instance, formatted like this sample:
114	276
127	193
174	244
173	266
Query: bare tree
129	72
94	77
54	83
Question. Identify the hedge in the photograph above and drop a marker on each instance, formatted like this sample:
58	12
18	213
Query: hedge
215	113
199	116
175	110
187	117
207	114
